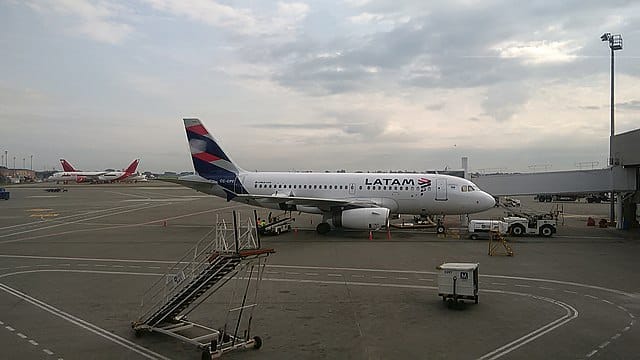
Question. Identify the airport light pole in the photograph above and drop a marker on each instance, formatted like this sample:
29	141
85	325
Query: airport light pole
6	158
31	162
615	43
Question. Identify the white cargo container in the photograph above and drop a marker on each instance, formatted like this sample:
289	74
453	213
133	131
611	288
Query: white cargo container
458	281
482	228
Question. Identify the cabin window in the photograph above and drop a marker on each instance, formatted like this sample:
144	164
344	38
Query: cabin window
269	186
330	186
395	188
294	186
360	187
315	186
412	188
340	187
384	188
305	186
325	186
368	187
379	187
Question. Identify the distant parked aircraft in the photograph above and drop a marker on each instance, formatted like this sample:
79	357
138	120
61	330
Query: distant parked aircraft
350	200
112	176
71	174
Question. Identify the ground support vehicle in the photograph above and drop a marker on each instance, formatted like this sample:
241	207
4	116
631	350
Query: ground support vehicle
4	194
276	225
535	225
483	228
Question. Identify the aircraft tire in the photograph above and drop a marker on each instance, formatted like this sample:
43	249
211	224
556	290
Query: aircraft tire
439	229
323	228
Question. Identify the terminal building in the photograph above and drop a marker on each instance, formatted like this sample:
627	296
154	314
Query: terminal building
16	175
622	178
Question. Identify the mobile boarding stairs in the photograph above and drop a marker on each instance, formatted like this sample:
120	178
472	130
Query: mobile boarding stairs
229	252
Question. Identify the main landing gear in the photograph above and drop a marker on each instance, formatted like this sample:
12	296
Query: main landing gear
323	228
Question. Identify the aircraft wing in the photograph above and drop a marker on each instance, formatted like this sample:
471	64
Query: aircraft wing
200	184
322	204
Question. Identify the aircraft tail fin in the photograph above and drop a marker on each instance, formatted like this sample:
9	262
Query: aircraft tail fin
66	166
132	167
209	160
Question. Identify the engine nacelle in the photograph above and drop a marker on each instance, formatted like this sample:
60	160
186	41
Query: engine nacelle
362	219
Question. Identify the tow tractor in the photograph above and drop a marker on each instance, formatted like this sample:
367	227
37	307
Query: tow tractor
522	223
535	225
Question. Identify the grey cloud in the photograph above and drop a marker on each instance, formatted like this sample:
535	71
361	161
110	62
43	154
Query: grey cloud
504	100
633	105
288	126
442	47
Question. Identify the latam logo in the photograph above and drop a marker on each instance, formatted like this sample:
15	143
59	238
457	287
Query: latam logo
383	181
424	182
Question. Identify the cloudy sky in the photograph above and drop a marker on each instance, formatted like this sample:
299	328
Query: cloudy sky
342	84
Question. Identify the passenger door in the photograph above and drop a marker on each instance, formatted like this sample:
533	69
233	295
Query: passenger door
441	189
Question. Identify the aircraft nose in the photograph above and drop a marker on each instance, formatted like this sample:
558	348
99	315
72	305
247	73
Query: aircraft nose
486	201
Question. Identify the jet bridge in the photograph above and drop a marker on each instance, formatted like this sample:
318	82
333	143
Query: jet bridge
229	253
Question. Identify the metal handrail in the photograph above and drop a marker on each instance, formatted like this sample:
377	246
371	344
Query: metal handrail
195	261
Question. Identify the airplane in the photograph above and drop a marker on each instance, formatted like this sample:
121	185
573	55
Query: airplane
112	176
136	177
69	173
349	200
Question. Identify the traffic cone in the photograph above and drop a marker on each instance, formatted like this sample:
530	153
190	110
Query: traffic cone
370	235
388	234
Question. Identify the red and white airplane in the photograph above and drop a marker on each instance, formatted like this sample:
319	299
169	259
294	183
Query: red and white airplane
112	176
69	173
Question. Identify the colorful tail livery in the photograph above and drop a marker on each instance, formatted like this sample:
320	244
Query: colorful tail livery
66	166
132	167
209	160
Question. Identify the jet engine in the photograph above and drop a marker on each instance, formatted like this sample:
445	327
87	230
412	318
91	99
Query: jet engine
361	219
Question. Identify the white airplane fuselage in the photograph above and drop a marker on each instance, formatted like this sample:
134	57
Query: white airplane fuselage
76	176
400	193
349	200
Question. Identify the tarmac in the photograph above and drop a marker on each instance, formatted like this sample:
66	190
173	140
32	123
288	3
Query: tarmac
74	266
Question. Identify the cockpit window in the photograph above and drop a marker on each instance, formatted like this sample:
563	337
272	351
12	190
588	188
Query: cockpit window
464	188
471	188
